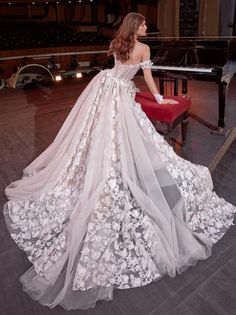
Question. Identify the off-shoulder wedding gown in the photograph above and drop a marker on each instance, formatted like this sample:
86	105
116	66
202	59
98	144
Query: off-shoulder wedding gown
109	204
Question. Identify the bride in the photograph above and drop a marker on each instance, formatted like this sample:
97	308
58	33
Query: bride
109	204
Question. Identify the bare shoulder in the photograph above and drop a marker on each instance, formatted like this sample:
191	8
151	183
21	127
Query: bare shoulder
140	53
144	51
143	46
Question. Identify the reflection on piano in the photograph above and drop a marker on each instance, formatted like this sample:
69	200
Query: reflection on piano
205	59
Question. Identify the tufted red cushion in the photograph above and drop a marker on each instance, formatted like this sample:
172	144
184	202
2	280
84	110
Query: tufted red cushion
162	112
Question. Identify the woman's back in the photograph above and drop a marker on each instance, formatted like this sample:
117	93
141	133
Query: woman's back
138	53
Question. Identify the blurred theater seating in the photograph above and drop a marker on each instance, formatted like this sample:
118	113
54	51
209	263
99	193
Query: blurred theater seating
22	41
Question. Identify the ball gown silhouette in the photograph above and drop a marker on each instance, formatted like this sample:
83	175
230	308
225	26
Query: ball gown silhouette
109	204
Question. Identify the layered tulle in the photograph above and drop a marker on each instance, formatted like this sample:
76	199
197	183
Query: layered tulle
109	204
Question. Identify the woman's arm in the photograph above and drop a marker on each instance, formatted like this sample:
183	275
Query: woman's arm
150	81
148	72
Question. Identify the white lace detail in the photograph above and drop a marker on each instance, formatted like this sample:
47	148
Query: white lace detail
208	216
124	83
120	241
39	226
119	244
146	64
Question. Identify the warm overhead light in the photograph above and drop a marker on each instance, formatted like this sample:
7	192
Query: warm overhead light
78	75
9	3
33	2
58	77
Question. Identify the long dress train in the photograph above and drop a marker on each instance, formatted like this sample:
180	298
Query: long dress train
109	204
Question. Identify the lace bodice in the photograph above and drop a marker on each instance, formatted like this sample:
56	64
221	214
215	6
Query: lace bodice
126	72
122	74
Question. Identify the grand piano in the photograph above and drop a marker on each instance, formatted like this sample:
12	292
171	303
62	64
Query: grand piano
206	59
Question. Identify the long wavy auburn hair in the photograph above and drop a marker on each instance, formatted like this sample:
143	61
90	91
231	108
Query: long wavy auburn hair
123	43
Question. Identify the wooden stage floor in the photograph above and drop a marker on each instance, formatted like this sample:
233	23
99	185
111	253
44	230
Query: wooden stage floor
29	121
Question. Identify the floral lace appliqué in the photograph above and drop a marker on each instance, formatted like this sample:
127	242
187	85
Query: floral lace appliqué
146	64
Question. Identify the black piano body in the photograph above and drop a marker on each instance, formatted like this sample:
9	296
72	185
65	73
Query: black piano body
206	59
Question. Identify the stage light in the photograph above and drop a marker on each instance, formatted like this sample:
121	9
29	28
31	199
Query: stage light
58	77
79	75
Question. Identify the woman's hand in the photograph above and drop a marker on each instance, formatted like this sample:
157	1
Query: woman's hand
168	101
160	100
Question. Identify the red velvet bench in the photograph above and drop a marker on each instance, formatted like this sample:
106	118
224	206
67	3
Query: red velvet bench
165	117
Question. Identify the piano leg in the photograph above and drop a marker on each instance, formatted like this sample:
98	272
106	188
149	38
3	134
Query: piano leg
184	86
176	87
222	96
162	87
169	86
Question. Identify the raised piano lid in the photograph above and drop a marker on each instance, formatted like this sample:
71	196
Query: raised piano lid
214	50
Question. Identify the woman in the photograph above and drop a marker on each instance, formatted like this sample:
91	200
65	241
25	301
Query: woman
109	204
